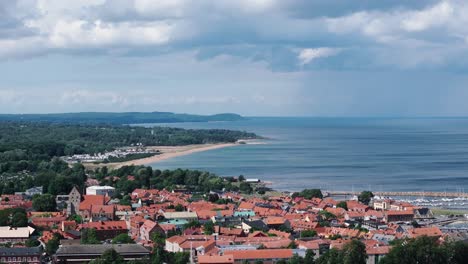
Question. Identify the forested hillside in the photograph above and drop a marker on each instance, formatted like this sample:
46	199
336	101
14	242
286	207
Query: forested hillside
119	118
23	145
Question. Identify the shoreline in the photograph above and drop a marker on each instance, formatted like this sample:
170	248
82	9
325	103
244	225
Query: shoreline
167	152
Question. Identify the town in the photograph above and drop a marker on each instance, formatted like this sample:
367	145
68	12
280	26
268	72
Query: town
137	151
180	226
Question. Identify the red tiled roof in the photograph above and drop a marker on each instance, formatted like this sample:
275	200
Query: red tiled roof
260	254
225	259
432	231
108	225
92	200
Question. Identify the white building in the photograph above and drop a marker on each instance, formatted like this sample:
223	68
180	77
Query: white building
100	190
15	234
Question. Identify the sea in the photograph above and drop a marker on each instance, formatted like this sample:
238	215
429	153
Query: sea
346	154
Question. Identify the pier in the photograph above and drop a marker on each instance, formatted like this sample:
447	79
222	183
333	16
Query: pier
417	194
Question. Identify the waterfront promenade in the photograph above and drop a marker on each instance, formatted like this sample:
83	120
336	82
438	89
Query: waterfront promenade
392	194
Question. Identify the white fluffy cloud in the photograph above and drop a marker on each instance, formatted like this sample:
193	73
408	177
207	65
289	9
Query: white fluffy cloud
307	55
108	26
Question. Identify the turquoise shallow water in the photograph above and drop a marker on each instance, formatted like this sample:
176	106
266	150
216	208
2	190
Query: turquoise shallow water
380	154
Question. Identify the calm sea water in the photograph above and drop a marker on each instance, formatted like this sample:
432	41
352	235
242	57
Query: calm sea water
379	154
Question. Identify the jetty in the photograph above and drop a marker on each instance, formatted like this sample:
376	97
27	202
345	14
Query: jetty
391	194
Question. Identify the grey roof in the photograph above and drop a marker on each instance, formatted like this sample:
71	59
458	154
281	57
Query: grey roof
122	249
25	251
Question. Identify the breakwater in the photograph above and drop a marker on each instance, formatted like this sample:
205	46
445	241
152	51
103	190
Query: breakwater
417	194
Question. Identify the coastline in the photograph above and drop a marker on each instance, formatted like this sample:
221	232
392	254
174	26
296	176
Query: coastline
167	152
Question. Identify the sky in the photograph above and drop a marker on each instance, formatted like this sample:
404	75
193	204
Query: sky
252	57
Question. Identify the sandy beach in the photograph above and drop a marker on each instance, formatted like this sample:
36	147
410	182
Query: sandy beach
167	152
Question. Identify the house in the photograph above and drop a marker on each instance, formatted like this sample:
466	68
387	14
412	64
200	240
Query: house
423	213
199	244
187	216
355	206
264	255
31	255
227	231
432	231
86	253
15	234
48	222
398	216
381	204
108	229
33	191
376	253
276	221
254	225
319	246
149	228
88	202
103	212
100	190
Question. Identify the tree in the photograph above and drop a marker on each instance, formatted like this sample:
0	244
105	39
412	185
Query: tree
421	250
44	203
181	258
309	257
208	228
308	233
296	259
292	245
88	236
457	252
109	256
343	205
245	187
158	239
53	244
179	208
32	242
241	178
365	197
123	239
333	256
213	197
326	215
309	194
19	219
354	253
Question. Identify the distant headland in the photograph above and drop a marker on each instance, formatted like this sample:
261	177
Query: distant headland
120	117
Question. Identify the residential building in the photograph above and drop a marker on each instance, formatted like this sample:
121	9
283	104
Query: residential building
31	255
100	190
108	229
398	216
149	228
267	256
15	234
86	253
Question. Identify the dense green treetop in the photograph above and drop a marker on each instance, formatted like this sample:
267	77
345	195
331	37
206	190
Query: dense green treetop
123	239
427	250
42	141
309	194
44	203
365	197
